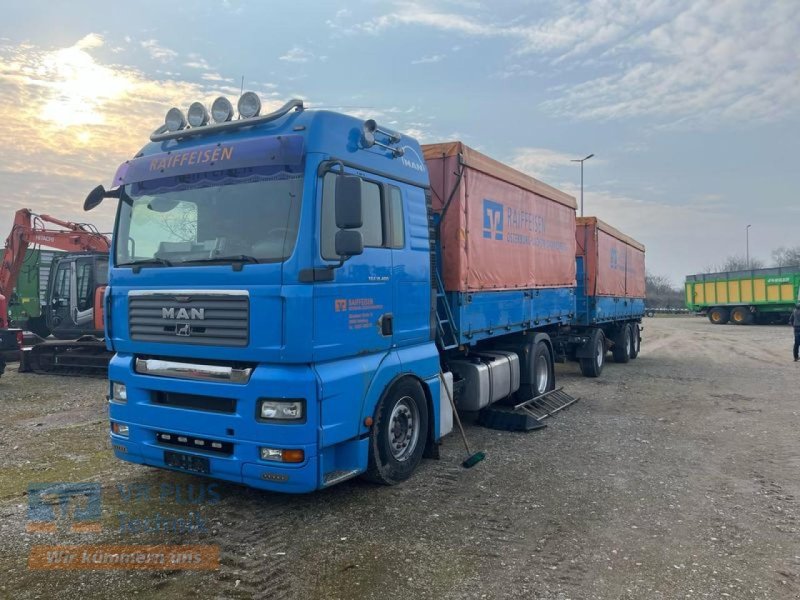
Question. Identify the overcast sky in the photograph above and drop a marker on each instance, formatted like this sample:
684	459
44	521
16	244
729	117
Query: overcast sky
691	107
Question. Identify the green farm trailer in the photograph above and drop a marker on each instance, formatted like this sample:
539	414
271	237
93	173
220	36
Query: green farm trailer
745	297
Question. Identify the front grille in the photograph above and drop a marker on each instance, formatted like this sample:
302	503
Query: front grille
202	318
207	403
194	443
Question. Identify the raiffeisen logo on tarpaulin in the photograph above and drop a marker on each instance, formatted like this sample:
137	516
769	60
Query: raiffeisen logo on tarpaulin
616	265
492	220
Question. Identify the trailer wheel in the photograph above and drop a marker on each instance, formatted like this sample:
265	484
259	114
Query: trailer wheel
650	313
593	365
398	435
636	340
740	315
542	376
622	345
719	315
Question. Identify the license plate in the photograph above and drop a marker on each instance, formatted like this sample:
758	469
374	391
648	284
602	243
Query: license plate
186	462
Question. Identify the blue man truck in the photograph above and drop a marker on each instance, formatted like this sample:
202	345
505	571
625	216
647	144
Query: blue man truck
290	293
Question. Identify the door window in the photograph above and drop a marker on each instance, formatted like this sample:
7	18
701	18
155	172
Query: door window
62	286
84	285
372	229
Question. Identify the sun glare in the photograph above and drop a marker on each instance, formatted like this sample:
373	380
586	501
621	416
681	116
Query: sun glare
78	87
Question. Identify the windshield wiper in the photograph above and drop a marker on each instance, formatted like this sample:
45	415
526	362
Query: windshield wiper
138	264
236	260
230	258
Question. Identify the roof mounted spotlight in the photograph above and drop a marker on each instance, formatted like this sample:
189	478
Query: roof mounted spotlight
370	128
198	115
175	120
221	110
249	105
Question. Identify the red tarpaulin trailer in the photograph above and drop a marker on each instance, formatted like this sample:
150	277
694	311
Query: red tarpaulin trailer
501	229
614	262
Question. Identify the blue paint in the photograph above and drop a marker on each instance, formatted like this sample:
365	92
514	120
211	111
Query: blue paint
599	310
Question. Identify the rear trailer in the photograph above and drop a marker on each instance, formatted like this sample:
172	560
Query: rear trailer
609	299
744	297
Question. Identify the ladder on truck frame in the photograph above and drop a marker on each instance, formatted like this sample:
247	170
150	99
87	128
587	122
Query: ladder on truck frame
446	334
527	415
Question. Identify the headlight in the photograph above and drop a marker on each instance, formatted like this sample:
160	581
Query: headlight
175	120
249	105
286	456
198	115
221	110
120	429
119	393
281	410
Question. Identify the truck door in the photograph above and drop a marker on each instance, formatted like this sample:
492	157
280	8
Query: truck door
353	314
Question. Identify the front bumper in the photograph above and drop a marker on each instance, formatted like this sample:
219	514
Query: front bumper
146	418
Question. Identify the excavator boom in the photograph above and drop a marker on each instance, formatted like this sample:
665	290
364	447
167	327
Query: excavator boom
31	229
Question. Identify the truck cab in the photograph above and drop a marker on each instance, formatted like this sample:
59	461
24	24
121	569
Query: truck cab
269	300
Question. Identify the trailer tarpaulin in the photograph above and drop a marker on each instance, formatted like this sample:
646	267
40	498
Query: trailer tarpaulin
614	262
501	229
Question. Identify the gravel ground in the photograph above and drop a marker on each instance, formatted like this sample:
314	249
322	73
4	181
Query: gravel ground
675	476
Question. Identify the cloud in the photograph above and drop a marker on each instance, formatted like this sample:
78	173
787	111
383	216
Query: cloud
157	51
297	54
434	58
73	119
684	62
539	162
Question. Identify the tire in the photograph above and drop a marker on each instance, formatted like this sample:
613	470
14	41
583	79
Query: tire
543	374
740	315
593	366
650	313
621	351
719	315
636	340
399	433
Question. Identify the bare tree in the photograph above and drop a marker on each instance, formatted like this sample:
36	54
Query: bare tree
661	293
735	263
786	257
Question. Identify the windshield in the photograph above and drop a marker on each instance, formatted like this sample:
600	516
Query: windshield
248	214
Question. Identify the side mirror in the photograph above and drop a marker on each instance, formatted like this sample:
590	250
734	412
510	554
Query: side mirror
348	202
348	243
95	197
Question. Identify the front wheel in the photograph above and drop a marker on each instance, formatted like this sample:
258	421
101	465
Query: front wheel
399	433
592	366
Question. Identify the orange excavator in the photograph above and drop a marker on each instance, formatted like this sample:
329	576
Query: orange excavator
73	307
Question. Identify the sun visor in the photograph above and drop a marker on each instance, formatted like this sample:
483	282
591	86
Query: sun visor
275	150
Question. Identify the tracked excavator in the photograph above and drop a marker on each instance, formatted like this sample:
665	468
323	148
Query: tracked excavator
70	328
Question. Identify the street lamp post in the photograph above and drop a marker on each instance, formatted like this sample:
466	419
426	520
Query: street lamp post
747	251
582	160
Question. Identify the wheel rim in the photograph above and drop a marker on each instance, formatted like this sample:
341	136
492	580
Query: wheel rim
542	374
403	432
715	317
598	353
